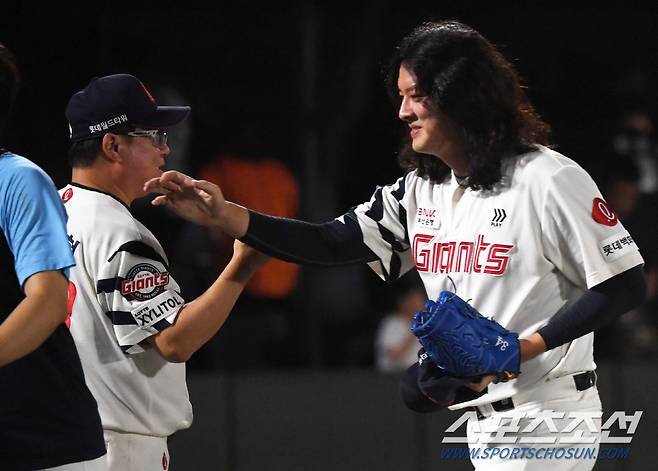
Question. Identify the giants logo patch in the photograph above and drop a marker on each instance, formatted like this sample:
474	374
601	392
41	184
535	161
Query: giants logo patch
469	257
144	282
602	213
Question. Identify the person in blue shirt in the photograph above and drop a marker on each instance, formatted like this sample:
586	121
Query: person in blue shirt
48	417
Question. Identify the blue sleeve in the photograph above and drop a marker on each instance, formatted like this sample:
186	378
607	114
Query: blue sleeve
34	222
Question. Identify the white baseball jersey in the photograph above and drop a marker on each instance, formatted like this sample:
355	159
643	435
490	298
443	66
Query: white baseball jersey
123	294
520	253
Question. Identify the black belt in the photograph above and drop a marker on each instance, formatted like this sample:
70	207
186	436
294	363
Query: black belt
583	381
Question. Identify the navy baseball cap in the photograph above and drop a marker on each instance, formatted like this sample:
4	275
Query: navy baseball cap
115	102
425	388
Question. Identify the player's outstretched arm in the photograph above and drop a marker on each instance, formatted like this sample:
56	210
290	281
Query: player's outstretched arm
198	201
337	242
199	320
36	317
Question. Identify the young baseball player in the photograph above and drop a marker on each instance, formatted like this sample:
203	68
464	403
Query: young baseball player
48	417
133	329
521	230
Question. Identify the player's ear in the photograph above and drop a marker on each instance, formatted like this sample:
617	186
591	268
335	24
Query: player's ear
110	147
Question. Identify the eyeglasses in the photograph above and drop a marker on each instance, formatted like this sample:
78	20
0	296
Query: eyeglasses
158	136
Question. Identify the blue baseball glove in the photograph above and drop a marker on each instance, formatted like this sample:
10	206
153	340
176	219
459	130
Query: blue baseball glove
465	344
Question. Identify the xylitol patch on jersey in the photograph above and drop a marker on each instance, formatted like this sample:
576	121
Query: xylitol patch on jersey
617	246
158	308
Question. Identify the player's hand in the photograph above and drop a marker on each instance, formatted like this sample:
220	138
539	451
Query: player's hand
245	262
249	256
532	346
482	384
198	201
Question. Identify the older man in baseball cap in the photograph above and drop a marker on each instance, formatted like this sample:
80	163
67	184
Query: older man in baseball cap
110	103
104	119
132	328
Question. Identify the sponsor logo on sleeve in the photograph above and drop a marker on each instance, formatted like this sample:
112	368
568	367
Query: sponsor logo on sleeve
617	246
602	213
143	282
157	309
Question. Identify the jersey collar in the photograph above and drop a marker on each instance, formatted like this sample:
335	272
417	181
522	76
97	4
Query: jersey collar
88	188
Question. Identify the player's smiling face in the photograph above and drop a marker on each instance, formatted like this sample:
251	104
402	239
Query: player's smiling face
431	132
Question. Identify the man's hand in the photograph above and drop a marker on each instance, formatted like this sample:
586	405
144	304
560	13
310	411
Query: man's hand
197	201
532	346
200	319
245	262
482	384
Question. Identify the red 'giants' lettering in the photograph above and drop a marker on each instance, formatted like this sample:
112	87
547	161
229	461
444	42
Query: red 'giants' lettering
470	257
151	280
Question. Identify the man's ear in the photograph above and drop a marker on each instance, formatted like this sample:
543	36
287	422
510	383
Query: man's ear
110	147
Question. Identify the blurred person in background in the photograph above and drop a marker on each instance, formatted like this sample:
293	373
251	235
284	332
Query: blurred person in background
636	141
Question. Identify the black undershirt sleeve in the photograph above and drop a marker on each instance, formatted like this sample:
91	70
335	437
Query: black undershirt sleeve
323	245
596	307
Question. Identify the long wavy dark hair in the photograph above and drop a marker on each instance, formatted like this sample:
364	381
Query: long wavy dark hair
469	81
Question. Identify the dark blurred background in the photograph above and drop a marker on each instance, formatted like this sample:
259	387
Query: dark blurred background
290	111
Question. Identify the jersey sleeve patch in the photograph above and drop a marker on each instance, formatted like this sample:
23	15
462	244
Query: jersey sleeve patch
144	281
617	246
150	313
603	214
147	319
138	295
